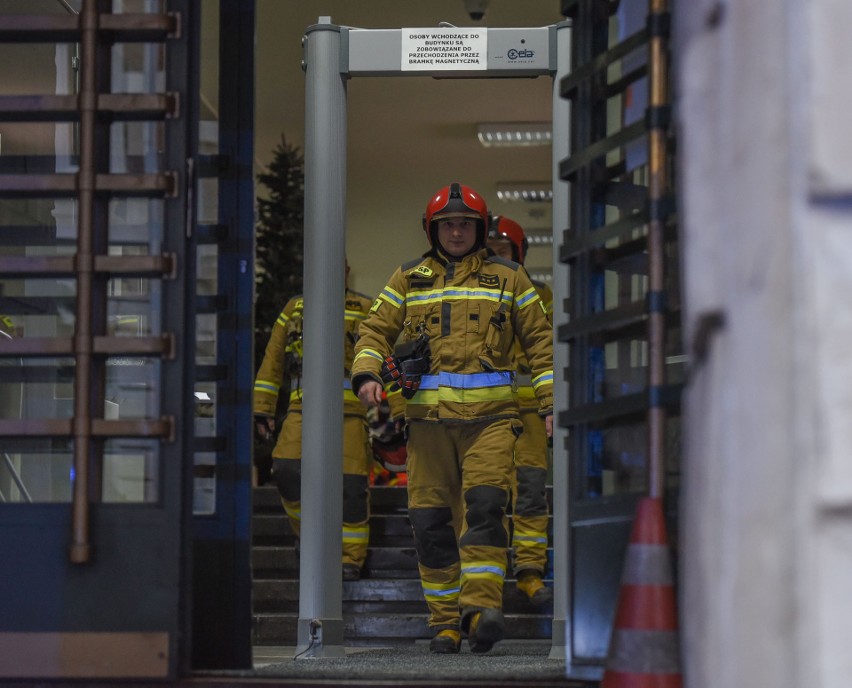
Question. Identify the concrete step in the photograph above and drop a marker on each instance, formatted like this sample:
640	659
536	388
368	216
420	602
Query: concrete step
269	529
374	595
388	562
388	628
382	562
383	499
386	606
364	596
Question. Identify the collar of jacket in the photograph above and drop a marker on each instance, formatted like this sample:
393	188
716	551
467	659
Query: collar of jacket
476	257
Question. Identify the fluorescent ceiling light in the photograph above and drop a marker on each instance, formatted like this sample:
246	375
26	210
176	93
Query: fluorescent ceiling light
541	275
527	192
514	134
545	238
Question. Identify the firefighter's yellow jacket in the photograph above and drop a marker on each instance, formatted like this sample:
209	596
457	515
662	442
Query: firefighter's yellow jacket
472	311
282	361
526	394
7	326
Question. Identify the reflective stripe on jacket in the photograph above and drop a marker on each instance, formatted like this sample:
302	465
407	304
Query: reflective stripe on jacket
526	394
472	311
283	357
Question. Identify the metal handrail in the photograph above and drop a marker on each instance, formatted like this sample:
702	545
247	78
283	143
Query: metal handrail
17	478
68	7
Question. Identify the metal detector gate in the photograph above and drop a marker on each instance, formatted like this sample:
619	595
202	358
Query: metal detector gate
333	54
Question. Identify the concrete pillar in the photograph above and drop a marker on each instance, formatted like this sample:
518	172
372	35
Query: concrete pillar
765	184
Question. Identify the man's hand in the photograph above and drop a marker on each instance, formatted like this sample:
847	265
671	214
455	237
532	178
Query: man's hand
264	426
548	425
370	393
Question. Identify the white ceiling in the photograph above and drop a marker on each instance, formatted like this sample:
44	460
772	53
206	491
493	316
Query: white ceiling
408	136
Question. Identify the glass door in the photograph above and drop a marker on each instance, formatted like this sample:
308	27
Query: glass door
97	125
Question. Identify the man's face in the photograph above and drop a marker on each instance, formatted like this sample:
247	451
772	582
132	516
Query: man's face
502	247
457	235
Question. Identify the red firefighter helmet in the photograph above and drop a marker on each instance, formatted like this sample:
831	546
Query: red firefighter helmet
511	230
456	200
392	454
387	437
388	444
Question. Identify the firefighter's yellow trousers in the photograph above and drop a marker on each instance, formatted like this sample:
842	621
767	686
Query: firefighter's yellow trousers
529	498
357	463
459	478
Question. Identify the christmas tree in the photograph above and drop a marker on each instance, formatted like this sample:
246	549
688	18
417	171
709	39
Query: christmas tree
278	264
280	239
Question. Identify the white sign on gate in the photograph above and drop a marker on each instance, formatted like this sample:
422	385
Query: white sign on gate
444	49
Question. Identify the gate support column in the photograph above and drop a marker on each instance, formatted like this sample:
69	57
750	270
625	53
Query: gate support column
320	626
561	133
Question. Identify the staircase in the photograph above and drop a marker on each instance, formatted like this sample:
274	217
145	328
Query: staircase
386	606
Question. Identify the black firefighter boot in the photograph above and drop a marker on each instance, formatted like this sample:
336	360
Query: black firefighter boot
486	628
532	587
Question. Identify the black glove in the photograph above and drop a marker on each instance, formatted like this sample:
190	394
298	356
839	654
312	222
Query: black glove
391	372
413	370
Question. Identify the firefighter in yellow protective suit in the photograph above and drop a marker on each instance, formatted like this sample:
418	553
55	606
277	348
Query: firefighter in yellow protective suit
529	499
458	311
282	362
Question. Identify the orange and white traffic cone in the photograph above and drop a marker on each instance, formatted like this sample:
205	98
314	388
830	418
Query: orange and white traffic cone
643	649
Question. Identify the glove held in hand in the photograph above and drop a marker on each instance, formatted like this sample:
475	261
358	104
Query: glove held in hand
390	372
412	371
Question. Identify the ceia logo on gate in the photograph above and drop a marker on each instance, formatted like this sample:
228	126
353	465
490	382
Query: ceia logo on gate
520	54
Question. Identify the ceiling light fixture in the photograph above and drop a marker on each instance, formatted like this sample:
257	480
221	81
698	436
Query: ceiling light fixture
539	238
541	275
526	192
514	134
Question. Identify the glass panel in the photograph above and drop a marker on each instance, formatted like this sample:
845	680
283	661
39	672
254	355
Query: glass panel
36	388
619	463
137	6
74	6
204	484
40	388
136	147
132	388
127	307
28	147
624	466
35	68
39	470
35	470
137	222
46	307
207	264
131	471
626	368
138	68
39	307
